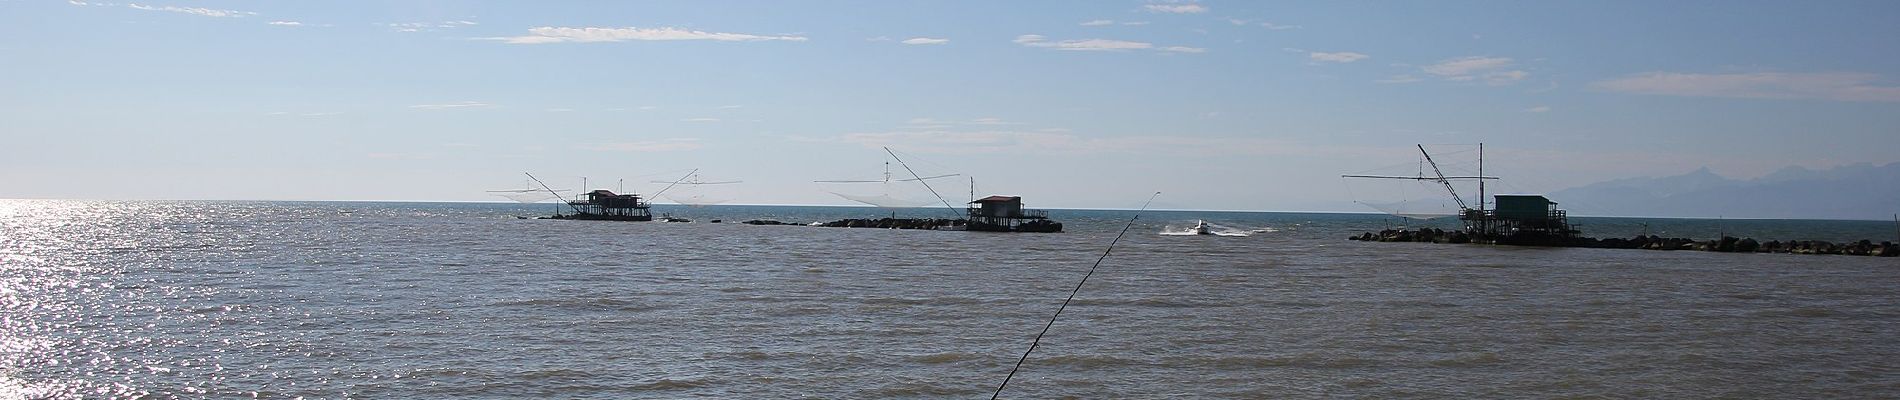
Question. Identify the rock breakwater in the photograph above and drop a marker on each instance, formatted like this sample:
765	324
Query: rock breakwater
1652	242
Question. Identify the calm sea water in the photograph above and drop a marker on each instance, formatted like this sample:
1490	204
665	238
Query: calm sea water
413	300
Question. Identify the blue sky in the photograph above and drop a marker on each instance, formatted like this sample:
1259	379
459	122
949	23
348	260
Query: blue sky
1220	105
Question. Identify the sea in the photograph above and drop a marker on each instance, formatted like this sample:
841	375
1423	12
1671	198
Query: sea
331	300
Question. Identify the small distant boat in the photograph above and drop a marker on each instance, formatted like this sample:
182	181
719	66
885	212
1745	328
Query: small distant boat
671	218
1201	228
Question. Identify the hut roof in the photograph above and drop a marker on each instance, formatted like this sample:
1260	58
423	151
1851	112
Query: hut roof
997	199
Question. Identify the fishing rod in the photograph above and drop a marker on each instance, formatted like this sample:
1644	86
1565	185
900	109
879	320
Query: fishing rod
1078	289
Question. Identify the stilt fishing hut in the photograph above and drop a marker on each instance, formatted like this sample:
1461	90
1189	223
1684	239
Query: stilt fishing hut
1516	218
606	205
1520	217
1006	214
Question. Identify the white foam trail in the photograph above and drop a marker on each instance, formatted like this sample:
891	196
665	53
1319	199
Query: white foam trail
1216	230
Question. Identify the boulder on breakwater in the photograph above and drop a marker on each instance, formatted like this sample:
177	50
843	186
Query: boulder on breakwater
896	223
1652	242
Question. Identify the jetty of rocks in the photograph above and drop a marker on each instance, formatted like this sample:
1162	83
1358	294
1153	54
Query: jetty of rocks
897	223
1725	244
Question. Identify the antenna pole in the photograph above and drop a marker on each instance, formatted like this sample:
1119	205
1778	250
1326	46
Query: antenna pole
1078	289
920	179
1480	173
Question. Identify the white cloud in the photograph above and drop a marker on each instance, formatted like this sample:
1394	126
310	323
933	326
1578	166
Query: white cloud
1082	45
1538	109
1505	77
1135	23
1838	86
1062	141
1400	79
675	144
461	104
208	12
429	26
1184	49
925	40
286	23
1466	66
1188	8
1099	22
1340	57
548	34
1491	69
1278	27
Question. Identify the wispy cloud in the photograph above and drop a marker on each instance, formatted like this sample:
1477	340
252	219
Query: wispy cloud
1837	86
1263	24
208	12
1099	22
1493	70
1400	79
675	144
1062	141
924	40
1339	57
446	106
1097	45
1538	109
429	26
1176	8
1081	45
548	34
285	23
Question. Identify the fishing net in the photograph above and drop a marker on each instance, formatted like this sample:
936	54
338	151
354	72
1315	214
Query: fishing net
882	200
527	197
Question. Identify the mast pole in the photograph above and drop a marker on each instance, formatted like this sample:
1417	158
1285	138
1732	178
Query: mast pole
1480	173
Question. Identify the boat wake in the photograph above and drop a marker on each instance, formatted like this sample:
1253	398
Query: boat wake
1200	228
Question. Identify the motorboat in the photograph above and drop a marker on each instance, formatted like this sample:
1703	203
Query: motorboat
1201	228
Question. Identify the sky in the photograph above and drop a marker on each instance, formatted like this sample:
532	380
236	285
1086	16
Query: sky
1072	104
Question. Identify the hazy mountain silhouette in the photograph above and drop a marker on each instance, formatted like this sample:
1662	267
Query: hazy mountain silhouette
1858	191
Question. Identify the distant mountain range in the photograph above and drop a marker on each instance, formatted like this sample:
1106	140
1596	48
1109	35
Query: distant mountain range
1859	191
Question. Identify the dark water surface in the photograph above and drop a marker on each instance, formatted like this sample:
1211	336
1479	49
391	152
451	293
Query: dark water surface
419	300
